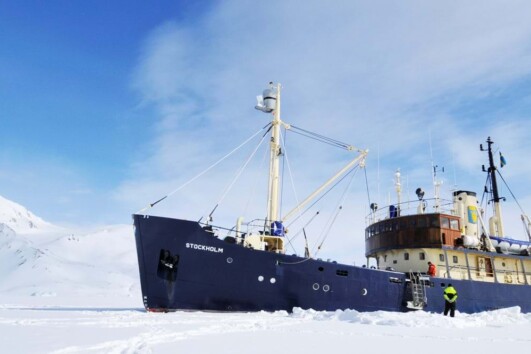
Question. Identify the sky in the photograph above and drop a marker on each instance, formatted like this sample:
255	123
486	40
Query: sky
108	106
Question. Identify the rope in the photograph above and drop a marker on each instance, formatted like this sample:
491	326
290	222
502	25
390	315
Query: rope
291	176
305	226
322	196
151	205
321	138
367	186
510	191
238	174
339	209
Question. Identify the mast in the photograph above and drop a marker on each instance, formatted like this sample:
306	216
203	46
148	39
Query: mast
269	102
274	166
495	224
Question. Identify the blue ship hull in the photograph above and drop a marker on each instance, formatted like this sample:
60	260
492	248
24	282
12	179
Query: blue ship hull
183	266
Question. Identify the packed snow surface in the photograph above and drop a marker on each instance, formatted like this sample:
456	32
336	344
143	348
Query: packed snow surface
71	291
36	325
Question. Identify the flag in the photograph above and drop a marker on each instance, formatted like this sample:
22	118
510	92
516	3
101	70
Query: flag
502	160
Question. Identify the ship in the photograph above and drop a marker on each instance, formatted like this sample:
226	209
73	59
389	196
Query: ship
195	265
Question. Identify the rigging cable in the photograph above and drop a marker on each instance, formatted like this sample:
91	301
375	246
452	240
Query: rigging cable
485	191
305	226
301	231
524	215
151	205
322	196
238	174
286	160
367	186
282	153
333	220
510	191
254	186
322	138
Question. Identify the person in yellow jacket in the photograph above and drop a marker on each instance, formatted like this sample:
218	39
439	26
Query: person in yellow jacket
450	297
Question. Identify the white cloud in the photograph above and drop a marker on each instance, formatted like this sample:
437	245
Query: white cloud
376	75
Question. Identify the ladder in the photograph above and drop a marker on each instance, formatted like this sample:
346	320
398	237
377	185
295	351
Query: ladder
418	292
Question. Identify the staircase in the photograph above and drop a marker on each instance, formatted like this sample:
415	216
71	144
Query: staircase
418	292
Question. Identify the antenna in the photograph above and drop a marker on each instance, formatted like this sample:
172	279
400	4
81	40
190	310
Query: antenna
379	199
436	183
398	188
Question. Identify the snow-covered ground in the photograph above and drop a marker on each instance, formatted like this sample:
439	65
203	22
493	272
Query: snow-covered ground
95	325
68	291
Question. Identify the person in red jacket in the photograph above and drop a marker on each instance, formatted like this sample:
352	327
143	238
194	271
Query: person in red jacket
432	270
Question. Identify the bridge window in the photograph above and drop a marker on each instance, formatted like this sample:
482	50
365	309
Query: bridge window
422	256
406	256
455	259
435	222
441	257
454	224
421	222
445	223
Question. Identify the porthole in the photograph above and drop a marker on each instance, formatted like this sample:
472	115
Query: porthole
315	286
363	292
229	260
260	278
320	269
273	280
326	288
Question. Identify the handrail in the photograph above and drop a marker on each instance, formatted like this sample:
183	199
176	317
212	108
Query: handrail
409	208
502	272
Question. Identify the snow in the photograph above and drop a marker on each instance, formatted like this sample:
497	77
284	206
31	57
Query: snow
68	291
19	218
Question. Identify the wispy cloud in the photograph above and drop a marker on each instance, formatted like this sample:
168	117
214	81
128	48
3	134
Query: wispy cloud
378	76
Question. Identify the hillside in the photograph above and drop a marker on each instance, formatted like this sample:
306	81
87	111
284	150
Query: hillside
38	258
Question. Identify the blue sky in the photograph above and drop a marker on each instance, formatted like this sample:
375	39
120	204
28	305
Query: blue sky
69	116
106	106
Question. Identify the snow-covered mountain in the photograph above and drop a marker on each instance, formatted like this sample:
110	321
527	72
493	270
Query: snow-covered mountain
40	259
19	218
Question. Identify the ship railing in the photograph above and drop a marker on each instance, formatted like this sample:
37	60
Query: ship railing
458	272
257	226
427	206
463	272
